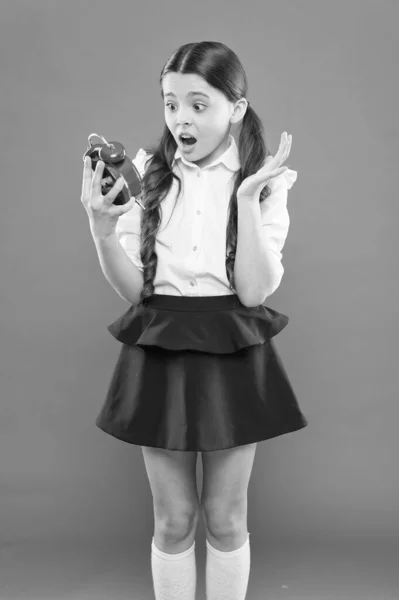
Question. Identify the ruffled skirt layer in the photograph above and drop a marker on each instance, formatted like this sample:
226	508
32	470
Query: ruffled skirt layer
198	374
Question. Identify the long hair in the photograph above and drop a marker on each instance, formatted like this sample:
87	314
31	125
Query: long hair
221	68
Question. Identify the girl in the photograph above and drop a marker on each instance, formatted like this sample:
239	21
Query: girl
198	370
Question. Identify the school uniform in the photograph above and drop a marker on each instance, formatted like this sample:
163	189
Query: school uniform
198	370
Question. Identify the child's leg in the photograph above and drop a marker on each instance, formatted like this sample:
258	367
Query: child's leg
224	502
174	575
172	477
227	573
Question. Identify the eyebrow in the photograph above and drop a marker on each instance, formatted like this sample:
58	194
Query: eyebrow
189	94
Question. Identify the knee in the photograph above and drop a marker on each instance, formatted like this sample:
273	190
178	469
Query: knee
222	520
178	526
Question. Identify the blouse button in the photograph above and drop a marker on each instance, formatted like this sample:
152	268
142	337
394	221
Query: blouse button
199	174
198	212
195	247
192	283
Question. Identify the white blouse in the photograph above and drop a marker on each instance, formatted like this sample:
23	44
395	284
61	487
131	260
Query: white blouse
191	248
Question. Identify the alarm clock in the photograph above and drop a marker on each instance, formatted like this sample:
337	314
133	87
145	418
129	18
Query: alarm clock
116	163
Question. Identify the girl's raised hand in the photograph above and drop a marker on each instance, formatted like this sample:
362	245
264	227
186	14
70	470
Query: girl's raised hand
103	214
252	186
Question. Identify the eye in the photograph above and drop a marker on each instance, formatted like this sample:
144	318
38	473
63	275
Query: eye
196	104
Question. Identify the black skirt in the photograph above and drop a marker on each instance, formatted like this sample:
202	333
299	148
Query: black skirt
198	373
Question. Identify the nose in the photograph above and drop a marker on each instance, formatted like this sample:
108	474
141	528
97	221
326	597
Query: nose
182	117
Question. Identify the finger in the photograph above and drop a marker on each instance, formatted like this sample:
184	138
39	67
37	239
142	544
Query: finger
280	171
117	187
277	172
87	175
121	210
288	146
283	150
283	145
268	164
128	206
98	175
290	142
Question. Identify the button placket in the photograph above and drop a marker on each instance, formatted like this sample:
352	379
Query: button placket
197	225
197	228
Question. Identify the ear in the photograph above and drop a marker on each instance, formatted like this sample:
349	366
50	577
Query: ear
239	113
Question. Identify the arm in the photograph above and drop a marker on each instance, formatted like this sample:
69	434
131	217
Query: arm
262	229
121	273
119	254
257	269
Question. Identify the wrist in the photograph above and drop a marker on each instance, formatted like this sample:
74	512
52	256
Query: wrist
101	236
248	199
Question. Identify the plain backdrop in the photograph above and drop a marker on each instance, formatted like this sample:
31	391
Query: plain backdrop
323	72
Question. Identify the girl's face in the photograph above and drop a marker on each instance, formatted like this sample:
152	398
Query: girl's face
206	117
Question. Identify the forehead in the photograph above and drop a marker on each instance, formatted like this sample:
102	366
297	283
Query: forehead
184	84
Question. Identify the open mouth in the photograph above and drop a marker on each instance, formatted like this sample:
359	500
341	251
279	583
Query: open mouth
187	141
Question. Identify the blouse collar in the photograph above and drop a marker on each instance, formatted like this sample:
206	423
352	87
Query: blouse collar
229	158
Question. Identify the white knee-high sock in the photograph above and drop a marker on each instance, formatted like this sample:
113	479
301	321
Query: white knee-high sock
227	573
174	575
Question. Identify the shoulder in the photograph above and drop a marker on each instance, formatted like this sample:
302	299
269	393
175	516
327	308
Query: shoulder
140	161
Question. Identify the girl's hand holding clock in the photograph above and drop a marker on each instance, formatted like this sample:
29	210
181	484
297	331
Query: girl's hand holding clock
252	186
103	214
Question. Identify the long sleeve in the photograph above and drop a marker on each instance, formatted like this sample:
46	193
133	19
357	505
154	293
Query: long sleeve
275	217
128	226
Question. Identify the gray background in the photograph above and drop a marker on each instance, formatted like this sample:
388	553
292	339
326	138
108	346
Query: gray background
322	71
